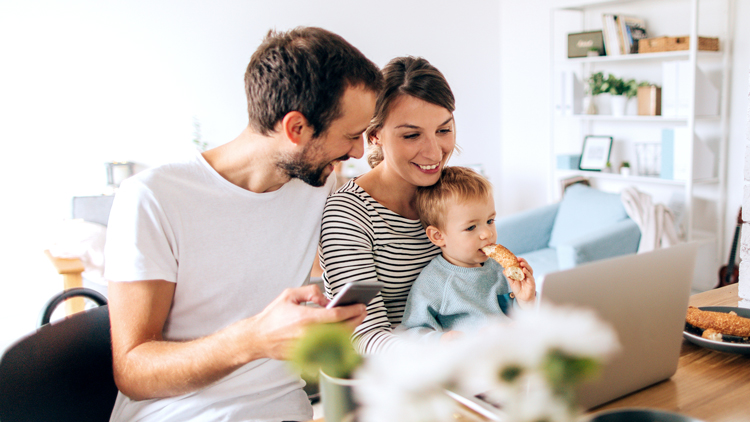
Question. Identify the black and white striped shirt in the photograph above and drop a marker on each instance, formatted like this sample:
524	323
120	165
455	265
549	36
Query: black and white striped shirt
361	240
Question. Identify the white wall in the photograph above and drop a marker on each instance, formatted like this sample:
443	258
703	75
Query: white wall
743	289
524	117
738	106
84	82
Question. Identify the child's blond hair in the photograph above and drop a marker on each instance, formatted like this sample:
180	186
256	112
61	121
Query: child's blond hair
455	184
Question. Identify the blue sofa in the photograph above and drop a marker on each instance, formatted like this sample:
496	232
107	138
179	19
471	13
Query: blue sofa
586	225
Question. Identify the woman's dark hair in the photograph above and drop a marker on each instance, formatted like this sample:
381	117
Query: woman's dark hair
412	76
306	69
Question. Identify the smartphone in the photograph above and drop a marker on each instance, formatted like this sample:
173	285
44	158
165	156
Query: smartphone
481	405
360	292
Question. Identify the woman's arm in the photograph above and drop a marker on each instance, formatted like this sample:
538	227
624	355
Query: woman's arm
346	253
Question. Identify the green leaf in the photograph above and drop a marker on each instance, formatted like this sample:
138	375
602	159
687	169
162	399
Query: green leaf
511	373
563	371
325	347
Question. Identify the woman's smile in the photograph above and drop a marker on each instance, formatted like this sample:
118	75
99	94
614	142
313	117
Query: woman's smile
429	168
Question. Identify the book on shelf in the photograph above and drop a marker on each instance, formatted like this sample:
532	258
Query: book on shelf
570	181
675	148
569	94
631	29
676	88
611	40
621	34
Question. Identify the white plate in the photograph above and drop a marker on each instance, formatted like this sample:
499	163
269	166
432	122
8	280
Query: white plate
741	348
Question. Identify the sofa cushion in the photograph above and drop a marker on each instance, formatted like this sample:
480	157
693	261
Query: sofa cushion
543	261
584	210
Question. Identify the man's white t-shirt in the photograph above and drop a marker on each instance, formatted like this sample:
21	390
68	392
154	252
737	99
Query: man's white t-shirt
230	252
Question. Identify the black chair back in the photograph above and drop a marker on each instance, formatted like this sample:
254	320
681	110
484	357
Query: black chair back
62	372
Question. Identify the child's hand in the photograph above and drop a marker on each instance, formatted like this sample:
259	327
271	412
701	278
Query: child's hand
450	336
524	290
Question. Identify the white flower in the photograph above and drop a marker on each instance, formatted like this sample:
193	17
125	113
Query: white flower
489	357
573	331
407	384
508	359
537	403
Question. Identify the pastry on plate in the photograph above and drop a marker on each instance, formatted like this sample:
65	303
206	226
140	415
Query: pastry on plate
719	325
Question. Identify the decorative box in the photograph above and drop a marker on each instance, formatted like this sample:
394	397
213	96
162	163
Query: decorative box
568	161
649	100
655	45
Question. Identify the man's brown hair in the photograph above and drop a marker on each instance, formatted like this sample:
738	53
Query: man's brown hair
455	184
306	69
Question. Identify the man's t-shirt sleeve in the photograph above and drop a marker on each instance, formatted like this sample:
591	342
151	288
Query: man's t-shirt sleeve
140	243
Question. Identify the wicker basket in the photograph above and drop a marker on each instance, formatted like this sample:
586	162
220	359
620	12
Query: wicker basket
655	45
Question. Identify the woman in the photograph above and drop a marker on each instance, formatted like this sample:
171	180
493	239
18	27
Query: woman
371	231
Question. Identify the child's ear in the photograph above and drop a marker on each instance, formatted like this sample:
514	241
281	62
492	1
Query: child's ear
435	236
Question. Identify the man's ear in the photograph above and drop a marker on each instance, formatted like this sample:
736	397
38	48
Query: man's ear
435	236
295	127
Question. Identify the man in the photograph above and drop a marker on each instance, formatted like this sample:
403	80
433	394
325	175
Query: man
205	258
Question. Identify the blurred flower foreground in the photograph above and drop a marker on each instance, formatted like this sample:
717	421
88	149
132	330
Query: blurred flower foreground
530	367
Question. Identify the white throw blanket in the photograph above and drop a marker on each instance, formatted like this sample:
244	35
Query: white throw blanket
655	221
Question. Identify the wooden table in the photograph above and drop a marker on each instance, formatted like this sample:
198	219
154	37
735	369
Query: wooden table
708	385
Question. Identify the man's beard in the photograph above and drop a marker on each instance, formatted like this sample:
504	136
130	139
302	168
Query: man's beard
298	167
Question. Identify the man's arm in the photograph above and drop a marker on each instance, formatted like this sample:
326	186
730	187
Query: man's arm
147	366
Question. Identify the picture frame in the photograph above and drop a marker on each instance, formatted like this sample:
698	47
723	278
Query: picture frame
595	152
580	43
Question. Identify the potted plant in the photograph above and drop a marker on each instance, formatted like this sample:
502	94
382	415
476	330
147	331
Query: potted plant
593	88
325	354
617	88
625	168
620	90
197	139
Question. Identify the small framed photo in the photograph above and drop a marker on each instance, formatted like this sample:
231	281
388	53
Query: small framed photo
595	153
582	44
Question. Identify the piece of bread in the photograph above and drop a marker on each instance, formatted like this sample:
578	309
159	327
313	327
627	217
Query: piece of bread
720	322
504	257
712	335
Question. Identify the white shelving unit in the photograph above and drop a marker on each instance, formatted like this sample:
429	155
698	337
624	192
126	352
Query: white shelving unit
699	202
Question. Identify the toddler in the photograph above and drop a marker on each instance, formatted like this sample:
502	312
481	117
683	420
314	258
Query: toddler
459	289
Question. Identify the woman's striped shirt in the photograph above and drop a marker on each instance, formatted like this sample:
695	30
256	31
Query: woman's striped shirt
361	240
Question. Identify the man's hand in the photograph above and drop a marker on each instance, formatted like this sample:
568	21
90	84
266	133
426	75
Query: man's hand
524	290
285	319
146	366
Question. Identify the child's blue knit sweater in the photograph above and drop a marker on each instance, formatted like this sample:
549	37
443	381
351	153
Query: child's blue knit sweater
448	297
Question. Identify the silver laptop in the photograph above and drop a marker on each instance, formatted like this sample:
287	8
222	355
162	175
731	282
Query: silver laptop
645	298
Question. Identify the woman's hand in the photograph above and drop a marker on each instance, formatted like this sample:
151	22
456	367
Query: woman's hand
524	290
